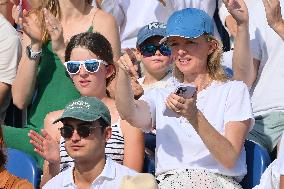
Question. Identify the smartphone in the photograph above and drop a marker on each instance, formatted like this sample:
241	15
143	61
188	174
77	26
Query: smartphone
185	91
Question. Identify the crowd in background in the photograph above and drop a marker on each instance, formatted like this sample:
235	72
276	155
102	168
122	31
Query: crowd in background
99	84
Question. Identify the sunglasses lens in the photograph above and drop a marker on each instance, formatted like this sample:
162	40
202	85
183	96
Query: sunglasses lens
84	131
92	66
73	67
165	50
148	50
66	131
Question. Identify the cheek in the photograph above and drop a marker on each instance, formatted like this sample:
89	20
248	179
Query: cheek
75	79
174	54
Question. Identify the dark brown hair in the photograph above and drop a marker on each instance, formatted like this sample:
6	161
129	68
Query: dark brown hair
97	44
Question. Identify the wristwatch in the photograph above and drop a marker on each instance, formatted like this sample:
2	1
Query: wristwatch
31	54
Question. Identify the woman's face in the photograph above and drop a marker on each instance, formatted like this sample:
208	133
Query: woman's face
190	55
88	84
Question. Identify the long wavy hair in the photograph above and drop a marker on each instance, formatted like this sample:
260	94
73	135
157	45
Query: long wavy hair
214	67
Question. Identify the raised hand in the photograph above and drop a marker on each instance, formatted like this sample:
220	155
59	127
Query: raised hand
238	9
16	12
55	31
273	13
32	26
45	146
128	63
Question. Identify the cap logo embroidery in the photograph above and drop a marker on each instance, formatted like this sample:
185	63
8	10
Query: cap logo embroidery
79	104
156	25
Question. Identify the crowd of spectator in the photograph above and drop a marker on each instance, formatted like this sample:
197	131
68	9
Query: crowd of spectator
100	84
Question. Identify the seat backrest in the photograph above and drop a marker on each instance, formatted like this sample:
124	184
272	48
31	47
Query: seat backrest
149	164
257	159
23	165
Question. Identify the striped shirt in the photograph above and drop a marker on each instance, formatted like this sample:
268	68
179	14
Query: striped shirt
114	148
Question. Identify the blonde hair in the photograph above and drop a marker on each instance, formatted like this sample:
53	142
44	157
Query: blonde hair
214	67
54	7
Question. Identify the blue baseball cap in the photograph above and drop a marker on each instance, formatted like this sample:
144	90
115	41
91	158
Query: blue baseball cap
150	30
189	23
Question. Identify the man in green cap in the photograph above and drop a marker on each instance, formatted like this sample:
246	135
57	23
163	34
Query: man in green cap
86	129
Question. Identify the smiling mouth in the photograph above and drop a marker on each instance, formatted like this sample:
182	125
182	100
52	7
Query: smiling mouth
184	61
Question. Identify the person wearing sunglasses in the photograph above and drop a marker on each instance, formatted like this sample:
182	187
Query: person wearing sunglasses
155	58
86	130
89	63
200	139
41	73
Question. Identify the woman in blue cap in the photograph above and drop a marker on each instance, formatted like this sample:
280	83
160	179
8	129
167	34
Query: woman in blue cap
199	141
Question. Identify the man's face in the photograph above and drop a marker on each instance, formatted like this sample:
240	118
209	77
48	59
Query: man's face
90	147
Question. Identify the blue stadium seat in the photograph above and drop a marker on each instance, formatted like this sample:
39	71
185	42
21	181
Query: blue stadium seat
257	161
23	166
149	164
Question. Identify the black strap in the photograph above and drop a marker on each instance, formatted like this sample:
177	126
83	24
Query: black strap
222	31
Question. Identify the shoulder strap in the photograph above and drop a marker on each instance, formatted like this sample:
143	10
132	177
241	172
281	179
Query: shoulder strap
97	10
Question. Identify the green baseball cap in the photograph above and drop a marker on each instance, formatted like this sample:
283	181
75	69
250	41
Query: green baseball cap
86	109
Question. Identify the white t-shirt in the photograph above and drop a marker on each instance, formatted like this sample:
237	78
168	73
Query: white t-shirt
109	178
163	83
270	179
178	146
268	47
132	15
10	51
280	157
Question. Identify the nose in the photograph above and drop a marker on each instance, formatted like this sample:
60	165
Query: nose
181	51
158	53
75	136
83	72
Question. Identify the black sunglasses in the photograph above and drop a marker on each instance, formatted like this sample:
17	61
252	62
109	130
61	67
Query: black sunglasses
150	50
83	131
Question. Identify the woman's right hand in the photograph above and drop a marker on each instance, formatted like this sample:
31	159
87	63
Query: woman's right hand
45	146
127	63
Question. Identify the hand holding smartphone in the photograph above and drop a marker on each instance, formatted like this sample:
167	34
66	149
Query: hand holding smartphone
185	91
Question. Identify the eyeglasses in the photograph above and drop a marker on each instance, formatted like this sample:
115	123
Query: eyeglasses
150	50
83	131
91	66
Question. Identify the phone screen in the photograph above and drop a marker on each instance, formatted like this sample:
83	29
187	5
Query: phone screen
186	91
